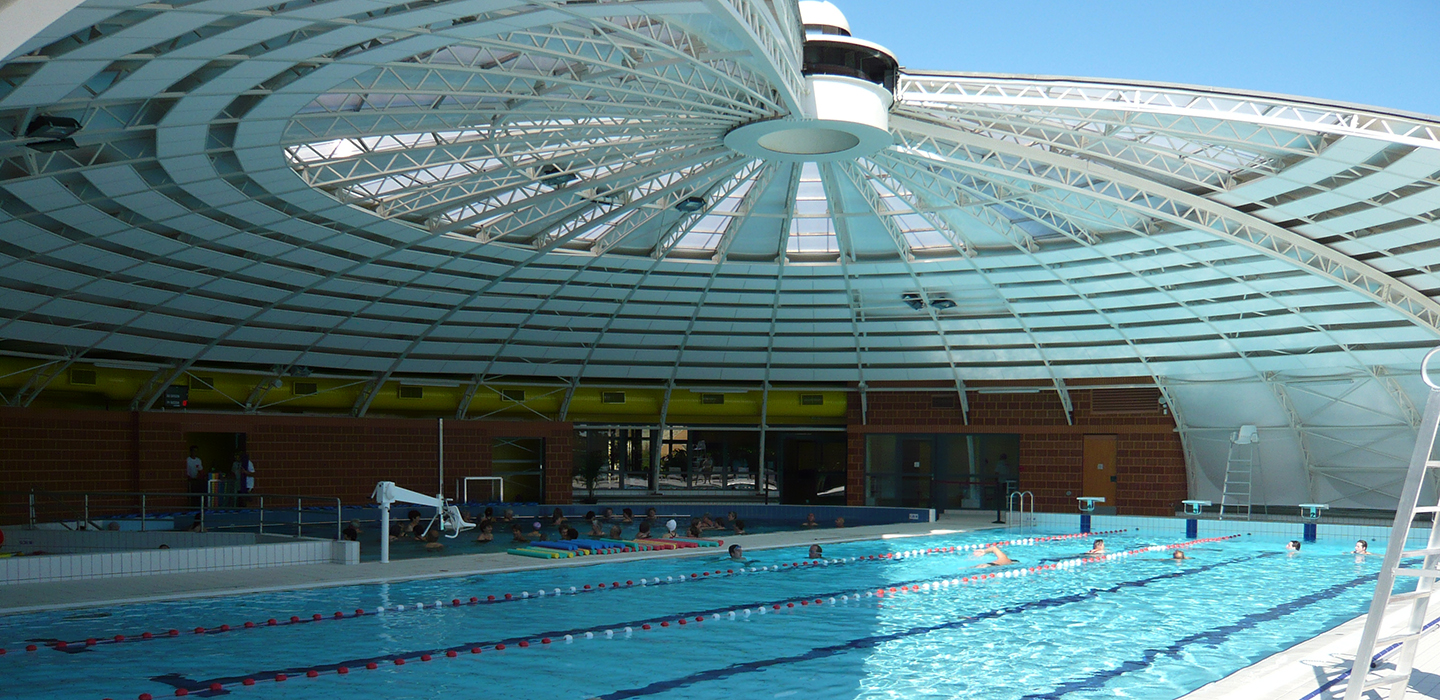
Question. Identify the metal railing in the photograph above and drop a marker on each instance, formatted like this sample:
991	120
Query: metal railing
1017	498
82	500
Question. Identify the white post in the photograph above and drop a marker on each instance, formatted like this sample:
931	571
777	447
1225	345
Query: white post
384	532
442	458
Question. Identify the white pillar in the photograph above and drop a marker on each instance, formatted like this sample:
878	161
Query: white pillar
385	532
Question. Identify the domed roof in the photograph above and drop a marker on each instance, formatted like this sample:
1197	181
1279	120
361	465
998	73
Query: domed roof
466	189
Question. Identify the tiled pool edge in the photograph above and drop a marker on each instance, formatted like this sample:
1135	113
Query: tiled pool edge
1175	526
56	568
327	575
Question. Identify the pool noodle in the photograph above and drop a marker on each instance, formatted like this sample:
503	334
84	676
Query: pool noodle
569	546
637	546
598	546
537	553
699	543
675	544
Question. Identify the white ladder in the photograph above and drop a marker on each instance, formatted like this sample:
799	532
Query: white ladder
1421	461
1240	467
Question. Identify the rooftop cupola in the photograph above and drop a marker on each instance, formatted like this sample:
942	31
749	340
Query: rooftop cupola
850	87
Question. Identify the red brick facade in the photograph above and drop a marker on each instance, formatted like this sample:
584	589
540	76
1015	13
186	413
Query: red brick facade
1150	460
61	450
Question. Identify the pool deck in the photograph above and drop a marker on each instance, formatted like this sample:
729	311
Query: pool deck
1299	672
34	597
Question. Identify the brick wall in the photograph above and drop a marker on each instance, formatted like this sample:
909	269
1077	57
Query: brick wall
324	456
1150	462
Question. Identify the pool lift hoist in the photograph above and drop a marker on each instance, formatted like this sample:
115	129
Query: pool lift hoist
1363	676
450	520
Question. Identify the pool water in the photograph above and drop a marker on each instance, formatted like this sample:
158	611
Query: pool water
1139	626
465	543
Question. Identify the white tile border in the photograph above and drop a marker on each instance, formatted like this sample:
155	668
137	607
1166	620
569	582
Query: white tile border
65	567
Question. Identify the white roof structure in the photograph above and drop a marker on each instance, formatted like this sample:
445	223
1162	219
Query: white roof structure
541	189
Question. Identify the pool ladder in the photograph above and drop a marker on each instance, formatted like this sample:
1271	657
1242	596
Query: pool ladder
1017	498
1408	636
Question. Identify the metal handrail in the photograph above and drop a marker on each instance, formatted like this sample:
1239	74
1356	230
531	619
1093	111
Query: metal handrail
204	500
1010	503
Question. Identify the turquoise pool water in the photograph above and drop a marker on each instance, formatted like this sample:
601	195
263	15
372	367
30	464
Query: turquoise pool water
1139	626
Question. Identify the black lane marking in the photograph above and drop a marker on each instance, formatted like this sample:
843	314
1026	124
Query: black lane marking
180	681
876	640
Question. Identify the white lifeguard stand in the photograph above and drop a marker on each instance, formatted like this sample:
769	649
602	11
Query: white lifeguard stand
1240	467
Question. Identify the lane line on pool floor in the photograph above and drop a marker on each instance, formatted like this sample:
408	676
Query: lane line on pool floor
1212	637
182	683
876	640
81	645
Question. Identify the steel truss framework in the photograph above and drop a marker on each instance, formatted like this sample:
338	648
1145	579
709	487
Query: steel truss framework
540	190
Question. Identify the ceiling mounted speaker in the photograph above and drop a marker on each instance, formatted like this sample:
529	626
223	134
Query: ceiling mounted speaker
690	204
553	177
52	146
45	126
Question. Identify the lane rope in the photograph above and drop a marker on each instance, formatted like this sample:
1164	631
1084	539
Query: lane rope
100	640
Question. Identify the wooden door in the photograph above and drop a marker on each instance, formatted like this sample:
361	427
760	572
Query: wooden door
1099	469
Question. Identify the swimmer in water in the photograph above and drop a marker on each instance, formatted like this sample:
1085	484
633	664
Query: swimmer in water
1096	550
1178	556
816	552
1000	558
1362	548
1292	547
737	553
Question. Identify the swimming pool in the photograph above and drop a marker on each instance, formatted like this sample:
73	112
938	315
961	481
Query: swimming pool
909	622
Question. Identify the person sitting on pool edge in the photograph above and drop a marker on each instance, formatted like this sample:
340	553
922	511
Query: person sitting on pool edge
815	552
1000	558
810	521
1096	550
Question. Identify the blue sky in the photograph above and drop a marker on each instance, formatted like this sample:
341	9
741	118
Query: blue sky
1384	53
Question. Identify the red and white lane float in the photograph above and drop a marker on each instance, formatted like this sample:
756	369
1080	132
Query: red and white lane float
798	604
602	586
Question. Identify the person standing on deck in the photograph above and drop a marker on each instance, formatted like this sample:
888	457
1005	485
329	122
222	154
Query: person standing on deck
194	471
